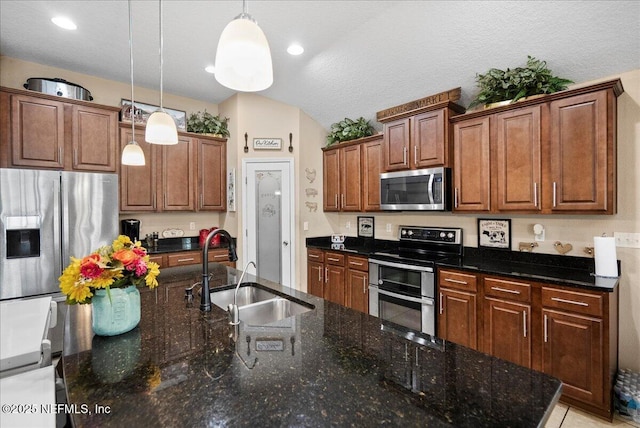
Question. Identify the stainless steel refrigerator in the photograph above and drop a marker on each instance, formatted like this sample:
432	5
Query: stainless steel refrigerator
46	217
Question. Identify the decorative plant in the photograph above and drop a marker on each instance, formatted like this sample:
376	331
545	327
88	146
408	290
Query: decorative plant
119	265
206	123
512	84
349	129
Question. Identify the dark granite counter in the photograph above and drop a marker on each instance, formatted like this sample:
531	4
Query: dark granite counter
330	366
554	269
174	245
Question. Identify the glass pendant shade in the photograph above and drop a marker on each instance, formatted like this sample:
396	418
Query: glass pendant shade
161	129
243	59
132	154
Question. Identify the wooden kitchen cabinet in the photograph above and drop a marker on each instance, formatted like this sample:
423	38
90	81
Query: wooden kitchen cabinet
335	277
351	175
220	255
184	258
45	131
357	284
315	272
211	182
420	138
507	320
457	313
471	172
176	186
138	183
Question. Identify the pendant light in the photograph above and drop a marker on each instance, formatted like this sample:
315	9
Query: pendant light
243	59
132	153
161	128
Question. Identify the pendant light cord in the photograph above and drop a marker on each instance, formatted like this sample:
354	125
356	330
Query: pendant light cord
133	121
161	51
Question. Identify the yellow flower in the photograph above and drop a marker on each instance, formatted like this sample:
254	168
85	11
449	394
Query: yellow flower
121	242
75	288
153	270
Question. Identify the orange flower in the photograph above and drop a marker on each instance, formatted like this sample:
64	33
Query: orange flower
126	257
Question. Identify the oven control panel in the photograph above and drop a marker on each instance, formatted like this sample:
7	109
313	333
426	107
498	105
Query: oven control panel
443	235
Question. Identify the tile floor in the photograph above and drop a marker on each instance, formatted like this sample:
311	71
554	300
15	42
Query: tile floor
570	417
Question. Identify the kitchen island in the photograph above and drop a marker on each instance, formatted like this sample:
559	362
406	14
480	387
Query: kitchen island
328	366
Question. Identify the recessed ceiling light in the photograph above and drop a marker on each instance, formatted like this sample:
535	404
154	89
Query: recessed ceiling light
64	22
210	69
295	49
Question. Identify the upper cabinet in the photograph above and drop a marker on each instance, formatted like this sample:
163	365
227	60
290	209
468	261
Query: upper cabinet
419	138
45	131
555	154
351	175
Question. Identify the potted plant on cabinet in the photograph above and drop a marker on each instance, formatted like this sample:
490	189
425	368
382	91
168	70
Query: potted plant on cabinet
206	123
349	129
511	85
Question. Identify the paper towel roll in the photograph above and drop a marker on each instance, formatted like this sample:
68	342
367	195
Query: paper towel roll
605	255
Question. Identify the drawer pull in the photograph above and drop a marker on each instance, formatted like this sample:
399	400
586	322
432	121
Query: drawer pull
571	302
220	256
315	256
186	260
331	259
456	281
356	263
505	290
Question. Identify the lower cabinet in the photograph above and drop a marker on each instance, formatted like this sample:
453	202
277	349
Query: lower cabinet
185	258
565	332
334	279
315	272
357	287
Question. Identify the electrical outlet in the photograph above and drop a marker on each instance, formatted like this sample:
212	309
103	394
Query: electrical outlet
388	227
348	225
628	240
192	225
305	225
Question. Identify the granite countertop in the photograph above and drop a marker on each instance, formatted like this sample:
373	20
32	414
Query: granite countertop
174	245
555	269
328	366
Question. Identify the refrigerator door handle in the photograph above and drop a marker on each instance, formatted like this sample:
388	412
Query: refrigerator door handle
59	257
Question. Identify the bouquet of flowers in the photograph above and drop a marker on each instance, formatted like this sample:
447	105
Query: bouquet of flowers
119	265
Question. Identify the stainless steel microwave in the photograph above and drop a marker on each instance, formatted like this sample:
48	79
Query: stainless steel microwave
416	190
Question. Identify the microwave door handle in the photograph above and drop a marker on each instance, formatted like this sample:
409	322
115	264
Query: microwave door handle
403	297
430	188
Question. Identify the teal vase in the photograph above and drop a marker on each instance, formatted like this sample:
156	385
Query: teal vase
116	315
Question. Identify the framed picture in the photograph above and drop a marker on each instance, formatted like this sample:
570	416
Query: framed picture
494	233
267	143
366	227
142	112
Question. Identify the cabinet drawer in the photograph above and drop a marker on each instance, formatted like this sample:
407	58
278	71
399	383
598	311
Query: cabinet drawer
314	255
584	303
183	259
459	280
506	289
157	259
218	256
336	259
358	263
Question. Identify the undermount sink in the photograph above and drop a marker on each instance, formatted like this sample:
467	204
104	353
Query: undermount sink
246	296
266	312
257	306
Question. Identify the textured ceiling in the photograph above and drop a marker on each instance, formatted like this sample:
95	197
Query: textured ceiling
360	56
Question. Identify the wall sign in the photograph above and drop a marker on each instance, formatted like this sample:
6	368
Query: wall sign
366	227
267	143
494	233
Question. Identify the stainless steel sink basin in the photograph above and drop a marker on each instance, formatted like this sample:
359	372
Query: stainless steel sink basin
246	296
268	311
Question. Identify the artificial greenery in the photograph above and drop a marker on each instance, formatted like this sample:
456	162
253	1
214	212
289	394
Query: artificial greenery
512	84
349	129
206	123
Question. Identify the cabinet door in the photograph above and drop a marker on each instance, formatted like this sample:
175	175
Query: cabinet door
37	132
334	290
176	182
350	179
507	330
212	175
517	159
457	317
138	183
331	180
471	165
396	144
371	169
428	139
315	278
358	290
95	139
573	352
581	154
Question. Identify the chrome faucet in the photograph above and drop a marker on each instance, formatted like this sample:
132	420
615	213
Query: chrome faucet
205	298
234	314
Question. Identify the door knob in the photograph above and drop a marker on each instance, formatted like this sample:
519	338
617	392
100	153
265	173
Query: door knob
286	243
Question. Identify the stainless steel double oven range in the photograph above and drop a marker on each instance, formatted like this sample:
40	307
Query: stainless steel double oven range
402	285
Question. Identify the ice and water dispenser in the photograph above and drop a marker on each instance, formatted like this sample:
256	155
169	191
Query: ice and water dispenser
22	236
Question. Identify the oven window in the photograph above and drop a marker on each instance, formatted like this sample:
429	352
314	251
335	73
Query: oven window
400	280
407	314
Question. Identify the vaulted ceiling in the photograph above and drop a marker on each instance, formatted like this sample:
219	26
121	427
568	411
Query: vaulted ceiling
360	56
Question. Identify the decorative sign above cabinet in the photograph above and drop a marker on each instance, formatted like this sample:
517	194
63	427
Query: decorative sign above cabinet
267	143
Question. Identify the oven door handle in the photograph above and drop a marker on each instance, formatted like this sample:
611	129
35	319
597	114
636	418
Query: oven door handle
423	300
401	266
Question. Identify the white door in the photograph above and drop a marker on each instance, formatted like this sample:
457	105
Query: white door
268	218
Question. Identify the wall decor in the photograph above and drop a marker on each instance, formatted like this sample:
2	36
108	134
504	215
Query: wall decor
313	206
267	143
231	190
366	227
142	112
310	191
310	174
527	246
562	248
494	233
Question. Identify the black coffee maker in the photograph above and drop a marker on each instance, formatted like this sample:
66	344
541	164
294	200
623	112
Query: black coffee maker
131	228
